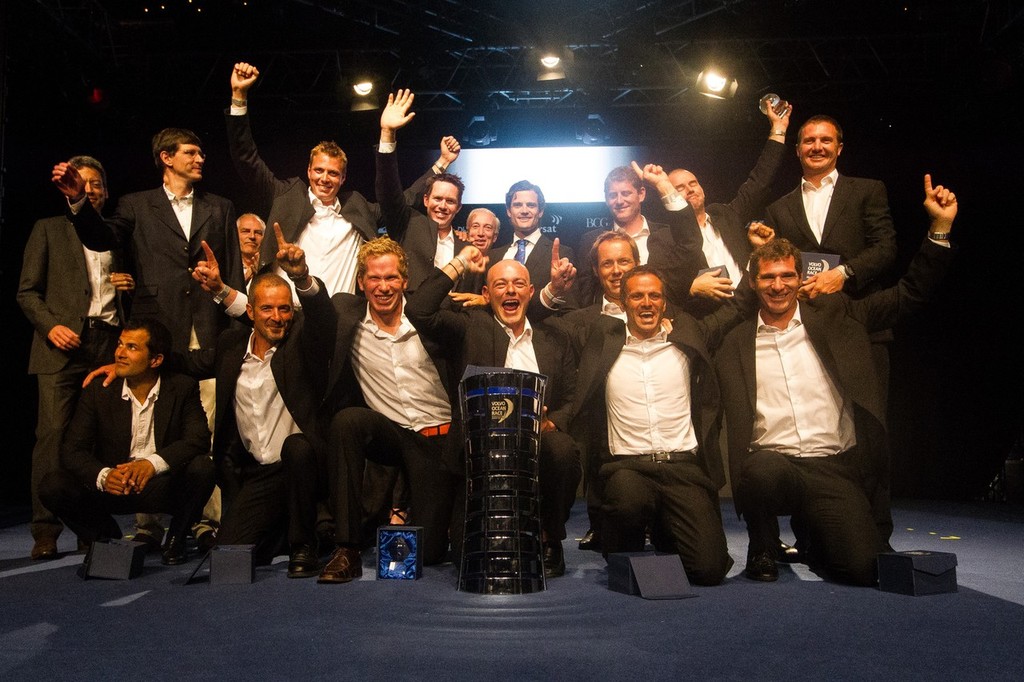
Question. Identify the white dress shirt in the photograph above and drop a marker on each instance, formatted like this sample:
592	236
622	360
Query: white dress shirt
817	201
264	421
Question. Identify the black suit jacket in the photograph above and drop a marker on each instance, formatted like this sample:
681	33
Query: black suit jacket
288	200
145	227
474	337
54	289
838	327
300	368
680	255
589	423
416	232
100	433
858	227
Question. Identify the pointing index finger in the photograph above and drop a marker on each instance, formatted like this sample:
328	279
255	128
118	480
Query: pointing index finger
555	260
210	257
281	243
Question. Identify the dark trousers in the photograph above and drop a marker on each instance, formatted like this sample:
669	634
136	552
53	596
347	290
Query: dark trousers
58	395
88	512
359	434
272	506
678	502
829	506
559	476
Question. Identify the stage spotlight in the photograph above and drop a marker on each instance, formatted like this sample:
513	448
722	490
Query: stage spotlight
712	83
479	132
592	130
552	67
364	100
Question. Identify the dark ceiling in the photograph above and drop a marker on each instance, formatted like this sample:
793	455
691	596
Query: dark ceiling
479	55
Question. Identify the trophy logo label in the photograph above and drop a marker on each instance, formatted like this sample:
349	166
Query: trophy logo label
502	409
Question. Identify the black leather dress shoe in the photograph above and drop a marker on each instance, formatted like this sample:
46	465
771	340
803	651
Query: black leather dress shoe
206	540
44	548
174	551
303	562
591	540
788	554
345	565
762	567
554	560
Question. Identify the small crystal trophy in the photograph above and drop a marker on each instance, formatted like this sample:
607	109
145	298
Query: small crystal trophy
772	100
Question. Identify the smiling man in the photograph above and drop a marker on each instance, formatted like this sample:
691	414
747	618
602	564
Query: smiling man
315	212
647	411
137	445
402	378
549	263
428	240
503	336
805	407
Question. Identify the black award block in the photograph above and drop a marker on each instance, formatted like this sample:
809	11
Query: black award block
398	553
114	560
917	572
651	575
817	263
232	565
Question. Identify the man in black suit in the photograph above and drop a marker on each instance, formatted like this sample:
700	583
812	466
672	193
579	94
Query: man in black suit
73	298
715	235
647	407
314	213
391	390
161	231
503	337
836	214
624	194
524	204
804	407
140	444
268	442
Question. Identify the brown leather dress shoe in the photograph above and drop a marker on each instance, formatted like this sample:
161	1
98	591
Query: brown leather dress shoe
345	565
44	548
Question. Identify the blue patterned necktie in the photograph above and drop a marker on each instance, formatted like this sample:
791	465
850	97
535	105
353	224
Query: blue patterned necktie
521	251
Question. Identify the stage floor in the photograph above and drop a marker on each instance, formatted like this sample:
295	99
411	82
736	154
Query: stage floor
56	626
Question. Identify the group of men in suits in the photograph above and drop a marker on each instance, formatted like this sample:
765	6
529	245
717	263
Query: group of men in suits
352	353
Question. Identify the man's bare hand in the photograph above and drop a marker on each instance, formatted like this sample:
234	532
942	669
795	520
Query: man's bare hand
122	281
655	175
396	113
474	258
136	474
468	300
207	272
106	371
563	273
63	338
940	204
712	285
828	282
759	234
69	181
291	258
243	76
780	122
450	149
116	482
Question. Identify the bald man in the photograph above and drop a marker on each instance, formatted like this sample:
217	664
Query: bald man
502	336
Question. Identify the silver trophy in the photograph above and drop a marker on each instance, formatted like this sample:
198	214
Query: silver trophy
772	100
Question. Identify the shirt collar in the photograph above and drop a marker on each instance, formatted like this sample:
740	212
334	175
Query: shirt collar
174	199
829	179
631	340
533	237
249	355
645	229
154	393
527	329
313	199
610	307
765	328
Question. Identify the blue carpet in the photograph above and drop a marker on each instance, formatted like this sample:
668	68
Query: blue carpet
56	626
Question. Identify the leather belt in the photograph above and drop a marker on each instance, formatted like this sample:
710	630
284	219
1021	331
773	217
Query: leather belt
95	323
439	430
661	457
